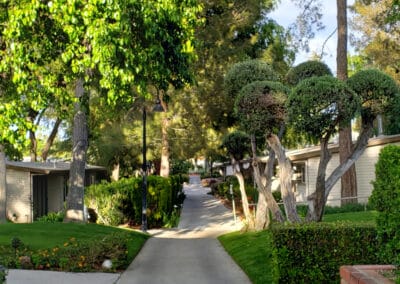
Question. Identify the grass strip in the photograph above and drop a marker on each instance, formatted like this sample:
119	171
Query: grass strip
252	251
40	235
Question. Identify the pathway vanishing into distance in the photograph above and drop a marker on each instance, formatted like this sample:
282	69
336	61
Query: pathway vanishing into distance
190	253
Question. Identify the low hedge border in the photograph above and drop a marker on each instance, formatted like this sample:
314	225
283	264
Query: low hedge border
313	253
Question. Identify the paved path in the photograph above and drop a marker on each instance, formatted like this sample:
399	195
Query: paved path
191	253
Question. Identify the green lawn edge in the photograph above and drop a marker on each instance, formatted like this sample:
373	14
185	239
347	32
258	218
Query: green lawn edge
46	236
253	252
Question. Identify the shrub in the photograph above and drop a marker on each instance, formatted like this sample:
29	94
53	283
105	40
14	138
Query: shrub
121	201
52	217
222	189
313	253
385	199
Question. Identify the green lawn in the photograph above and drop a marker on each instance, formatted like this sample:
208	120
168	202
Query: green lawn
253	253
357	217
47	235
68	246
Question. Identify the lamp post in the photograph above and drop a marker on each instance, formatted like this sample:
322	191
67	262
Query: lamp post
157	108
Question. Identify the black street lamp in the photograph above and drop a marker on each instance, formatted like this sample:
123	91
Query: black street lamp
157	108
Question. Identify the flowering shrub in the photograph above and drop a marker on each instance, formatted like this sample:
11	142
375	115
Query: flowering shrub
73	255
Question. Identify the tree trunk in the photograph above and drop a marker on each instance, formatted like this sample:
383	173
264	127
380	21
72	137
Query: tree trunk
75	203
266	201
317	200
3	185
359	148
349	179
285	177
50	139
32	136
245	203
164	170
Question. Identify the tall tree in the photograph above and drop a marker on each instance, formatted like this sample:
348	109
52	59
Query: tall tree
118	48
377	35
349	179
232	31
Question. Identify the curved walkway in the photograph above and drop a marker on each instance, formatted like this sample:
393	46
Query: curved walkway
191	253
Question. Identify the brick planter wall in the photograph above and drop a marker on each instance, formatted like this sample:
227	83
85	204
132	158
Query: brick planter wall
364	274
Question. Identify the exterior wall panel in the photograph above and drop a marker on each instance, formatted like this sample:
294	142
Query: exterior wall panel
19	207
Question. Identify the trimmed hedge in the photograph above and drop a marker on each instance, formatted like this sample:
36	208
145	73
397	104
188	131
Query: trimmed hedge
313	253
120	202
385	199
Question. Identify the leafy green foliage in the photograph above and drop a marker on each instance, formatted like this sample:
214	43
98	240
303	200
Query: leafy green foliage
222	189
180	167
313	253
246	72
385	199
306	70
260	107
236	144
52	217
118	202
318	105
376	90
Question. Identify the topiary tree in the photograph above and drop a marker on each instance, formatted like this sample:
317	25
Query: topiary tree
316	107
240	75
237	145
246	72
260	108
308	69
385	199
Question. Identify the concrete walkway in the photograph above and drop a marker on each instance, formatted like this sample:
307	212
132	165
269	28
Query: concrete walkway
189	254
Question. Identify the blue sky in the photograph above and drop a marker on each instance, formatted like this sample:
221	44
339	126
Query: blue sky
286	14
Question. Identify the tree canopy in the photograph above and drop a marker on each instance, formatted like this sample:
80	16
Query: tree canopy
260	107
318	105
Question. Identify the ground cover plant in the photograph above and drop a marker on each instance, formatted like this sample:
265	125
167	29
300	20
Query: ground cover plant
305	253
67	246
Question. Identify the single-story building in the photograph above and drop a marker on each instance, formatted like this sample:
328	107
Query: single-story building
36	189
305	167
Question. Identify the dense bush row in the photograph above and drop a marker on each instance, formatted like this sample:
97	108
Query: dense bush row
120	202
385	199
313	253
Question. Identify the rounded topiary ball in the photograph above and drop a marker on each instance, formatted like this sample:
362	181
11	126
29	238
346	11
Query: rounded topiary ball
305	70
376	89
246	72
260	106
318	105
